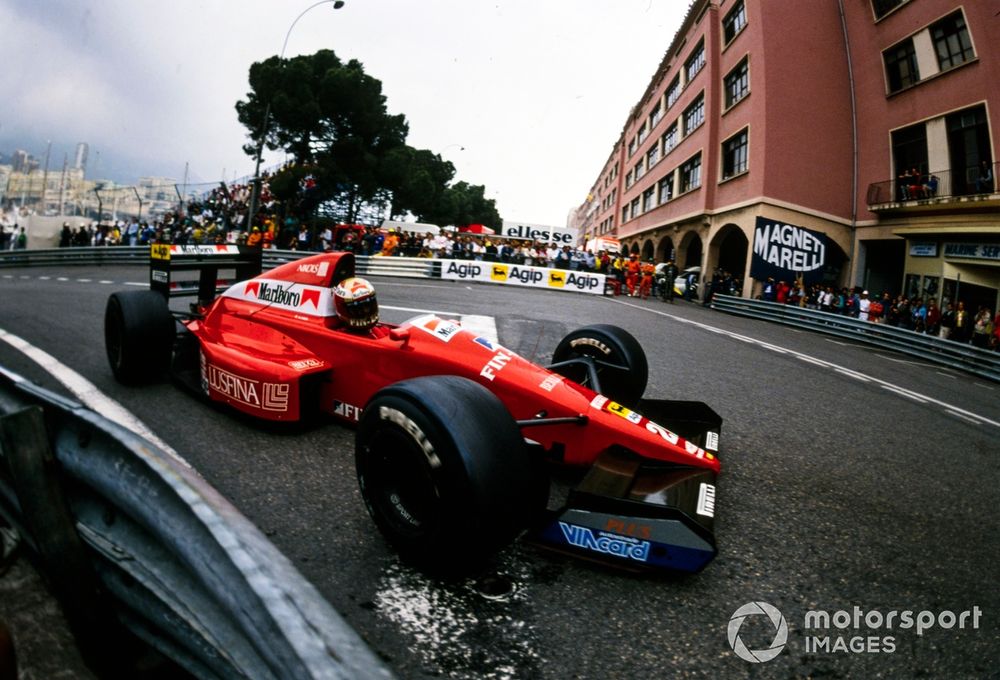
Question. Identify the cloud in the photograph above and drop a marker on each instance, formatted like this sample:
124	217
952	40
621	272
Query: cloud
535	92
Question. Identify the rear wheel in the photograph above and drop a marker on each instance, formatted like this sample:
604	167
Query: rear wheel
605	358
445	472
138	335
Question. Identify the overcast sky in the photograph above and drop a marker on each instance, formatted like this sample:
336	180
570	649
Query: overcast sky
526	97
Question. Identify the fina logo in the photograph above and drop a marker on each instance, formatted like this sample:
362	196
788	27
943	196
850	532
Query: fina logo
780	632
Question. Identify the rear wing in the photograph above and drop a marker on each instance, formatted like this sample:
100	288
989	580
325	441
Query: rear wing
165	260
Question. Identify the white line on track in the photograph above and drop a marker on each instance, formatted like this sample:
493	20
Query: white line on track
974	421
905	361
904	393
901	391
87	393
853	374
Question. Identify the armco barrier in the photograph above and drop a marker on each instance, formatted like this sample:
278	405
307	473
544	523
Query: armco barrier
980	362
413	267
134	543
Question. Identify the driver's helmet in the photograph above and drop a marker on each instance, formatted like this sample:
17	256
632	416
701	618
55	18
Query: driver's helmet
355	302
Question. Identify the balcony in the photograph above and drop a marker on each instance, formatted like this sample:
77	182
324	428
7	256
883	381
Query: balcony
936	191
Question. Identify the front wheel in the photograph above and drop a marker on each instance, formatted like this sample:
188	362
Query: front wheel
605	358
444	472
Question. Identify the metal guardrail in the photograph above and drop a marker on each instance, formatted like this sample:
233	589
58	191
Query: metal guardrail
412	267
980	362
137	547
57	257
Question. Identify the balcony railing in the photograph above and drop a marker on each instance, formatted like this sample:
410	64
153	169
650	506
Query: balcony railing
934	187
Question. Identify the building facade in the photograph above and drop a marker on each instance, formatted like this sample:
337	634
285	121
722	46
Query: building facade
864	125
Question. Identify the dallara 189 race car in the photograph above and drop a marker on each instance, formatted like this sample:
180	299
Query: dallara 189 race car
456	435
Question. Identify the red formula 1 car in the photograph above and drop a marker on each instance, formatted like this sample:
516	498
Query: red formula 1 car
455	432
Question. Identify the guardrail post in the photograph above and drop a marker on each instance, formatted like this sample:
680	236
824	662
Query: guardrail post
104	643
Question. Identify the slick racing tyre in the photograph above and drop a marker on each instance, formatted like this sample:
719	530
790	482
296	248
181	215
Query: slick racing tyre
616	357
444	472
138	335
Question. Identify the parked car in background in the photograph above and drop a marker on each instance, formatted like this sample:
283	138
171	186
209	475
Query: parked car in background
680	283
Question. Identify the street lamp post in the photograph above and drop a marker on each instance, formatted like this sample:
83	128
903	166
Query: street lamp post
255	190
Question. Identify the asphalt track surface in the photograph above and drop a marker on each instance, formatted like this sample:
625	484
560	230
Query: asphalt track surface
852	477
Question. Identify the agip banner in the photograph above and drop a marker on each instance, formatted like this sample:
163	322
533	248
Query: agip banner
785	251
523	275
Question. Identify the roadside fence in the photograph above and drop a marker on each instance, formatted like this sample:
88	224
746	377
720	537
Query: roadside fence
929	348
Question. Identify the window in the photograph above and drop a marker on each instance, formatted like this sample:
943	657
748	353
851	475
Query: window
968	148
695	62
656	115
909	148
631	147
638	171
642	134
634	207
694	115
652	155
951	40
647	199
734	155
666	187
674	91
734	22
737	83
625	214
670	139
901	66
883	7
691	174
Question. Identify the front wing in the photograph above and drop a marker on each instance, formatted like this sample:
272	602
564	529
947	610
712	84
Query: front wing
639	514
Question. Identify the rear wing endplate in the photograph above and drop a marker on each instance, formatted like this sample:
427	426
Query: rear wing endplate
165	260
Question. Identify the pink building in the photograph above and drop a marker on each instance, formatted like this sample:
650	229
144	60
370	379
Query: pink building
773	137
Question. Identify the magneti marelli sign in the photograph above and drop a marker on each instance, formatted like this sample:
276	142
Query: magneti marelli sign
786	251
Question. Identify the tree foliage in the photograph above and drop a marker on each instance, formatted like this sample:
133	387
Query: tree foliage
331	117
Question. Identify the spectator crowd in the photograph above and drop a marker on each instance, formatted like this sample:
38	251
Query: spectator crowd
913	313
221	216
